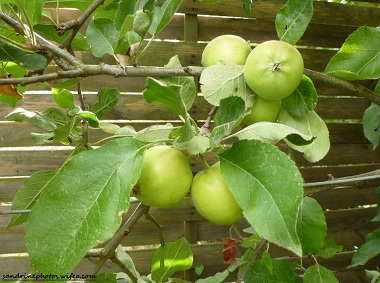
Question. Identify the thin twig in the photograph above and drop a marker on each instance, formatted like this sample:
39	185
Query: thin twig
205	129
125	269
75	25
109	250
251	259
158	226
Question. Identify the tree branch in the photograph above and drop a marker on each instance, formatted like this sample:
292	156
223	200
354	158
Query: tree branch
75	25
352	87
104	69
350	181
195	71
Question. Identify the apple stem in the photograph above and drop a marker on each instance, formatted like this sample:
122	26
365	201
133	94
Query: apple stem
276	66
202	157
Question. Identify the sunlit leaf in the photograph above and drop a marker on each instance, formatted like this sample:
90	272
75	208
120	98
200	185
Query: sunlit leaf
359	57
163	15
267	185
311	125
84	200
223	80
170	258
27	195
293	19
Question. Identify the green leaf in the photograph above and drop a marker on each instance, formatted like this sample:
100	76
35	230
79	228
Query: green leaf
373	275
377	217
50	32
229	115
196	145
126	260
370	249
270	133
319	274
102	36
90	117
371	124
281	272
189	88
27	195
163	15
219	277
48	120
126	8
302	100
247	6
108	98
359	57
311	125
81	5
268	187
27	60
155	133
312	228
81	205
168	96
141	22
225	79
330	248
293	19
170	258
63	97
106	278
32	10
266	261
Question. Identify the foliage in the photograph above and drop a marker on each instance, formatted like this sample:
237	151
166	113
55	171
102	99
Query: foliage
81	204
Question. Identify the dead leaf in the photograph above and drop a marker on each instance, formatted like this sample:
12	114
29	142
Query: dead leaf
10	90
229	250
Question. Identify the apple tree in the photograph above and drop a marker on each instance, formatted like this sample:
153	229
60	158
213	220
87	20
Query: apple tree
262	105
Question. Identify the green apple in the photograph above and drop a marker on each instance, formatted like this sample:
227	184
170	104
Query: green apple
165	177
229	48
274	69
212	198
263	110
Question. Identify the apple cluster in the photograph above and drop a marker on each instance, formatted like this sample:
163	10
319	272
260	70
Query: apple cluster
166	178
273	70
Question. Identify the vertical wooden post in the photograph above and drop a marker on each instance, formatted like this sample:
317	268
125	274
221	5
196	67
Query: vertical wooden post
191	28
191	235
191	227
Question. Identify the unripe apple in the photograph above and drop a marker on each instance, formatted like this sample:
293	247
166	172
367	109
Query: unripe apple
274	69
165	177
212	198
263	110
229	48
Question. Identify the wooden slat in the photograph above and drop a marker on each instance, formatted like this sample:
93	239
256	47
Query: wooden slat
29	160
132	106
346	226
19	134
344	154
258	30
324	12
